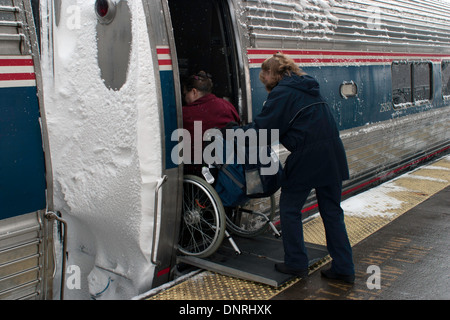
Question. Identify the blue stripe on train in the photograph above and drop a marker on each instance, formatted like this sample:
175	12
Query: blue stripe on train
373	103
170	114
22	165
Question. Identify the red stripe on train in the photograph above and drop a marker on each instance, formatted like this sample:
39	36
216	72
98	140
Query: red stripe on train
15	62
343	53
17	76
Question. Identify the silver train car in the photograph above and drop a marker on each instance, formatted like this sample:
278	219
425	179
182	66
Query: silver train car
90	197
27	262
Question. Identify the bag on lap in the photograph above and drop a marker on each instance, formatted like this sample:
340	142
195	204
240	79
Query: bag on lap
254	172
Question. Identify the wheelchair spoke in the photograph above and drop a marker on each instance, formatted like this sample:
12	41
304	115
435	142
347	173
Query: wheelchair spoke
203	223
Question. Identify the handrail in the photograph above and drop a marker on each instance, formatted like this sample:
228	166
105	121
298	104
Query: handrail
54	216
155	219
9	9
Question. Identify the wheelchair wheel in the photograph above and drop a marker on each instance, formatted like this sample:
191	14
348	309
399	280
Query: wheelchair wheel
248	220
203	220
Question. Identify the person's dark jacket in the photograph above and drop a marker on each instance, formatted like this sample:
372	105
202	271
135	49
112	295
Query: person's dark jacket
308	130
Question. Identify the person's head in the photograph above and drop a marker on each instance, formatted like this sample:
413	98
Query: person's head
197	86
275	68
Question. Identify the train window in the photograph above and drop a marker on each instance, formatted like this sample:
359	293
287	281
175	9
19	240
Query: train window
114	38
411	82
37	18
348	90
446	79
422	81
401	83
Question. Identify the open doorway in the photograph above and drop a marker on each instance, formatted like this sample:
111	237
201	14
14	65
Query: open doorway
204	41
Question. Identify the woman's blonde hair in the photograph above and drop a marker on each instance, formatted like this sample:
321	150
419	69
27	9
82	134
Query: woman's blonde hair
278	66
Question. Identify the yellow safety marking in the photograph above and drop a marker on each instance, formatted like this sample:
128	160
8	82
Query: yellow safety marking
403	193
213	286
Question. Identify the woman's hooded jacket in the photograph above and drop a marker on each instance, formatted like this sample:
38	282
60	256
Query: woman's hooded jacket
308	130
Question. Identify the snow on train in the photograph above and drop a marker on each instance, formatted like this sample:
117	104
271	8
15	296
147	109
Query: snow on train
90	95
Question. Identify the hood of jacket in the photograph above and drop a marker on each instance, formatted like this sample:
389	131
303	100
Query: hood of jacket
306	84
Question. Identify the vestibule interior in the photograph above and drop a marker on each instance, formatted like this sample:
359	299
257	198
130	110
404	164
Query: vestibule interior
204	42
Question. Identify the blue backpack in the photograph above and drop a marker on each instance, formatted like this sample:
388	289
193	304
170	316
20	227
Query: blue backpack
237	183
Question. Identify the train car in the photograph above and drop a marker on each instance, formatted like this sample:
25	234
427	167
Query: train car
26	200
109	74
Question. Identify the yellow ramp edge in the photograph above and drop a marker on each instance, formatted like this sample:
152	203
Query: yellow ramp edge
365	213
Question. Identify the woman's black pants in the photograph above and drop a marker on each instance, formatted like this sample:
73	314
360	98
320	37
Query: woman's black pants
338	244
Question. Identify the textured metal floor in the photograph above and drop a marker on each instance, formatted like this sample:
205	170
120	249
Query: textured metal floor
365	214
256	261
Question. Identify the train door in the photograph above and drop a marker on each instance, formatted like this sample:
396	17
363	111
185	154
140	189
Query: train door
187	37
26	259
205	41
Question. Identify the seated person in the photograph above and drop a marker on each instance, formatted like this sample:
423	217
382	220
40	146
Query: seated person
202	105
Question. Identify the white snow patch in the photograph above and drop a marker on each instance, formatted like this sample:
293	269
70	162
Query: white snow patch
375	202
425	178
437	168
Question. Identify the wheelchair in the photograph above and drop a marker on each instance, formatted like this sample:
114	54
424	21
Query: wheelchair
206	222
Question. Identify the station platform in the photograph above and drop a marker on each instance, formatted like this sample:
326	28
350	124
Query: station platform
410	257
400	235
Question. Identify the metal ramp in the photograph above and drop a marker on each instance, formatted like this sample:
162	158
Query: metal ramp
256	261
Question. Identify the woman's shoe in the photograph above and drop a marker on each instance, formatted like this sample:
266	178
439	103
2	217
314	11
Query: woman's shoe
281	267
329	274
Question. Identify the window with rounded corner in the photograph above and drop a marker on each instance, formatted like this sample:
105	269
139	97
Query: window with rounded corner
348	90
114	38
412	83
401	83
422	81
446	79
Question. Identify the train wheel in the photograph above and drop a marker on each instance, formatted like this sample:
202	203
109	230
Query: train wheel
203	221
